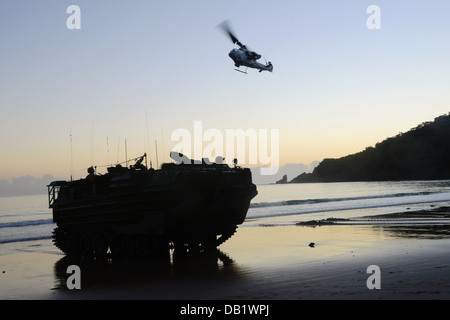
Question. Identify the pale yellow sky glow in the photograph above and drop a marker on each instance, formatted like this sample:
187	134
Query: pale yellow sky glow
138	73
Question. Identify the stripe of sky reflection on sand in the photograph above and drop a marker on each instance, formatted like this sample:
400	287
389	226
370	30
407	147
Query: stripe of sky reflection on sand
266	247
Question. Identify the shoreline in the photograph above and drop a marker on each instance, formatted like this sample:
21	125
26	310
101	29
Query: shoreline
434	215
257	263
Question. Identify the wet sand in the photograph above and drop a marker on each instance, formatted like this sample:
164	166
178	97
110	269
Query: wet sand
257	263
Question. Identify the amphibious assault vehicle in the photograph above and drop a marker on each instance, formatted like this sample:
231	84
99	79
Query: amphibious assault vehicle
139	211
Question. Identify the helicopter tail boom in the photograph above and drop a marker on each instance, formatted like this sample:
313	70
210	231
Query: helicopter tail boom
269	67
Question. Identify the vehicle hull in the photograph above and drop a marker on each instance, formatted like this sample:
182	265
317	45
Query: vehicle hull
176	206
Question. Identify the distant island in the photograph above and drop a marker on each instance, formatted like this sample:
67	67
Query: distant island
423	153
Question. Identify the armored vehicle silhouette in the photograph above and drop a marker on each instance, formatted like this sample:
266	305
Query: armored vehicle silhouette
140	211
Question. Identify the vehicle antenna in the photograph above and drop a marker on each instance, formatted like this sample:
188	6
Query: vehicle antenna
92	143
126	156
164	147
118	149
71	157
148	137
107	150
156	147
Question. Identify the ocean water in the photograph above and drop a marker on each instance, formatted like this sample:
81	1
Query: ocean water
288	204
28	218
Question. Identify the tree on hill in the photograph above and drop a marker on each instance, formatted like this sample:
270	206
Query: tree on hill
423	153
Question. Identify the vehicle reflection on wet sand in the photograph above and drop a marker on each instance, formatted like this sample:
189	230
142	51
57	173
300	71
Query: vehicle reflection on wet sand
108	273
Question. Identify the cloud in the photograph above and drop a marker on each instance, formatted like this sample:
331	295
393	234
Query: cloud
25	185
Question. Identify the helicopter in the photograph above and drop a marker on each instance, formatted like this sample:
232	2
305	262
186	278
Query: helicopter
243	56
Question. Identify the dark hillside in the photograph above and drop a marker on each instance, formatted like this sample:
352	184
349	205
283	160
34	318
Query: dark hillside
423	153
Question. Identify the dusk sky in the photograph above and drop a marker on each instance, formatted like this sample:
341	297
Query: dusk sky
139	70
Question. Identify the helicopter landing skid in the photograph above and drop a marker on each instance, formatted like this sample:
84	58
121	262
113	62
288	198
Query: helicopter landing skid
241	71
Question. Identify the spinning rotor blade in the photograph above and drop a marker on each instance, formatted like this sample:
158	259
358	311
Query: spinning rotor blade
226	28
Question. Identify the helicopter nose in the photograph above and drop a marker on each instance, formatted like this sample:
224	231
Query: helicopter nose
234	55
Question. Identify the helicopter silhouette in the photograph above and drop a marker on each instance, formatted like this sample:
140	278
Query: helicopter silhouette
243	56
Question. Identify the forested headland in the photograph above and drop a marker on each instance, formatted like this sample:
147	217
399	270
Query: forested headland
422	153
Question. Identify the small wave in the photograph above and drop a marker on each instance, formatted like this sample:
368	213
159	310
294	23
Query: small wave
7	215
326	200
268	204
31	238
26	223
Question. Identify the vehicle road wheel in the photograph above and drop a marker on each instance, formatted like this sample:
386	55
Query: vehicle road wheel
128	246
143	246
99	245
85	245
115	246
72	244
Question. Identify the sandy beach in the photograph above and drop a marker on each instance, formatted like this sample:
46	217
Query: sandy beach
257	263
